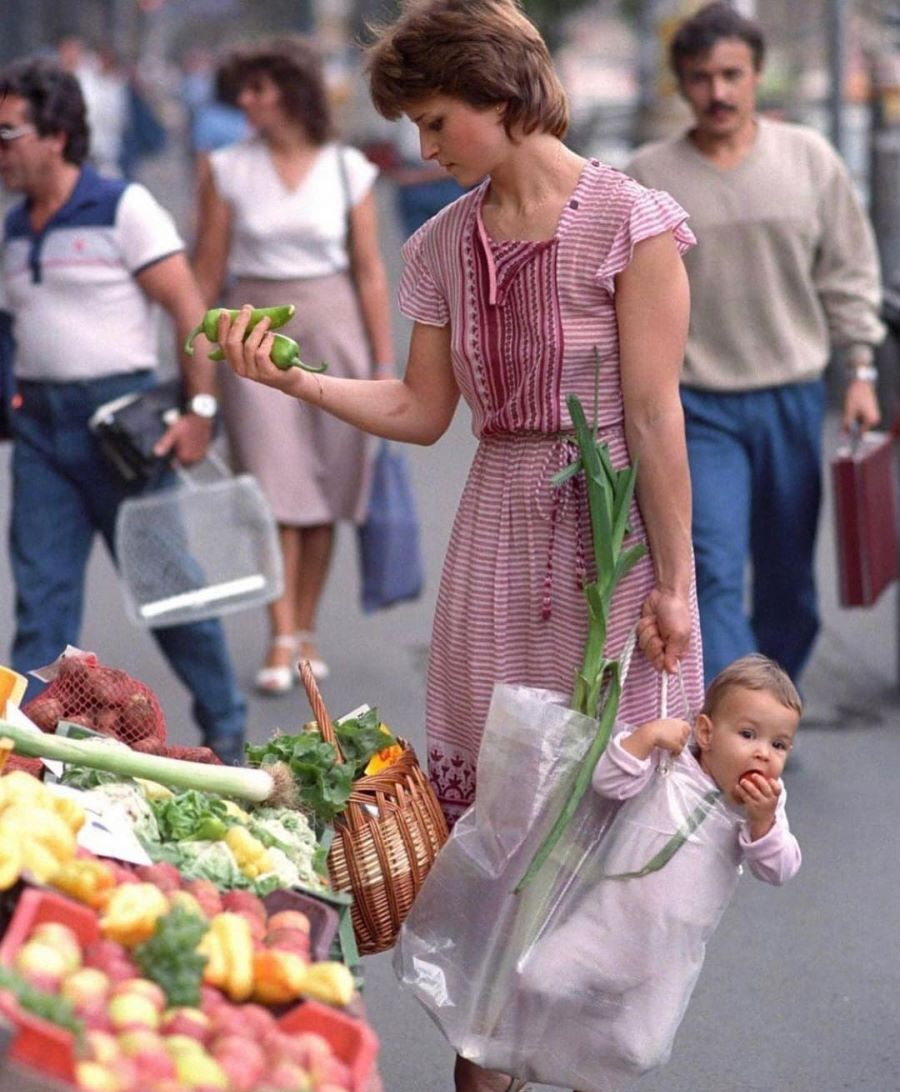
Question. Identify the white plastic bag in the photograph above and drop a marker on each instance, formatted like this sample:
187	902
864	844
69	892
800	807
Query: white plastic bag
581	980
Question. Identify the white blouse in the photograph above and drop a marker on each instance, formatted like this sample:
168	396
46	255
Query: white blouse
280	233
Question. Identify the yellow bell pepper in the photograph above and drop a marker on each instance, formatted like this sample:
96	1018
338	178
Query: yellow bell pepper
387	756
70	811
329	982
251	855
228	946
38	860
18	786
131	913
42	825
10	862
277	976
87	879
215	973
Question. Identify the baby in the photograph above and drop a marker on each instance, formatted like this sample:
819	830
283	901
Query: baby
618	961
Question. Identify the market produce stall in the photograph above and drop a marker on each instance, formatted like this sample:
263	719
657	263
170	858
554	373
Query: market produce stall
168	923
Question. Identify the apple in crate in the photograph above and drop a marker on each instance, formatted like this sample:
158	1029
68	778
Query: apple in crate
41	965
145	987
85	988
186	1020
132	1010
147	1050
59	936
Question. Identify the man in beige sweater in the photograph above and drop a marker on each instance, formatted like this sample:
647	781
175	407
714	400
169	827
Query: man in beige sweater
785	272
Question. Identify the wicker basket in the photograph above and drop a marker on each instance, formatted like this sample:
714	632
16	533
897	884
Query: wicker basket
385	841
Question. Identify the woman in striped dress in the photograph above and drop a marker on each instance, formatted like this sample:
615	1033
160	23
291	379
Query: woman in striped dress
554	275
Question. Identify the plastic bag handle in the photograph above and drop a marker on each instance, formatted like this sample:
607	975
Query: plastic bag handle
211	457
666	760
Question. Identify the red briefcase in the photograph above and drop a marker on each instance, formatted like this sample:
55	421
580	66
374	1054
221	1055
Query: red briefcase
865	518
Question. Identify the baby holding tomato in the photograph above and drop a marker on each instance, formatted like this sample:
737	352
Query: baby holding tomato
615	966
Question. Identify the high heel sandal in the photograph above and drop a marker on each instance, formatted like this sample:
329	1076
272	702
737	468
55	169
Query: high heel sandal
319	668
280	678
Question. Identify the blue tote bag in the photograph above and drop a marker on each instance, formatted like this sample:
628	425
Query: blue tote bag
390	558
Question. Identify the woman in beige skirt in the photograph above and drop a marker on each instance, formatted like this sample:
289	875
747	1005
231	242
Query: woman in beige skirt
289	216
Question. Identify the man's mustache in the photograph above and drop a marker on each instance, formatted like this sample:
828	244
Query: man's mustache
716	106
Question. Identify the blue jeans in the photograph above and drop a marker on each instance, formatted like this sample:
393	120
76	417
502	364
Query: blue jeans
63	493
756	470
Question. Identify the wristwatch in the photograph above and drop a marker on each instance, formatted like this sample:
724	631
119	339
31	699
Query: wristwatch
204	405
868	373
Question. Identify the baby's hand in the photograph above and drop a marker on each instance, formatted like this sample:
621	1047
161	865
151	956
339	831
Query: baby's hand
759	796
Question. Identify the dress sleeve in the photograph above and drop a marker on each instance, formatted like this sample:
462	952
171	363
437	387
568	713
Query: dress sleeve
420	297
652	212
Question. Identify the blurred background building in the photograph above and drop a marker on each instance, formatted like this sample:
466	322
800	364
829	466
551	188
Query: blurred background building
834	64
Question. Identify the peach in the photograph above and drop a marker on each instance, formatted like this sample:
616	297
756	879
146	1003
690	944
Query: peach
42	965
207	895
182	1044
96	1077
101	1046
287	1074
85	986
198	1069
186	1020
258	1020
145	987
60	936
244	902
289	940
289	919
132	1010
242	1060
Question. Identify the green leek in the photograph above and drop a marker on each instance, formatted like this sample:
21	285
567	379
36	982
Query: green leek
598	683
237	781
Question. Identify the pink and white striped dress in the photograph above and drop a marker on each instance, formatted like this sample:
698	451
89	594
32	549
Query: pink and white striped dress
529	320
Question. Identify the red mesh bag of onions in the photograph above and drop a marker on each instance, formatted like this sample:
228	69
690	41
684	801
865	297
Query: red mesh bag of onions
104	699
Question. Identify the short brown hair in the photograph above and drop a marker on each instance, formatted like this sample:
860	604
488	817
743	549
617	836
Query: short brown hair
713	23
294	65
753	672
482	52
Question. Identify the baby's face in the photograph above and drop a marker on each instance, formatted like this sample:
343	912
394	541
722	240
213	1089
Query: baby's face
749	732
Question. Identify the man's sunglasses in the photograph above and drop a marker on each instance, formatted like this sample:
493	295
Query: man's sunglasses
8	133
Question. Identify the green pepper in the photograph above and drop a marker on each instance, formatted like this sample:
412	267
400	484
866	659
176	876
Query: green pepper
209	325
285	354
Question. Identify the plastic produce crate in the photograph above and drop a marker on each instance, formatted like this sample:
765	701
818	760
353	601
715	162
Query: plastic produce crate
38	1043
353	1041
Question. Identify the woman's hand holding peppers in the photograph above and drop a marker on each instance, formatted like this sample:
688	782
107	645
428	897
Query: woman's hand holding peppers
248	347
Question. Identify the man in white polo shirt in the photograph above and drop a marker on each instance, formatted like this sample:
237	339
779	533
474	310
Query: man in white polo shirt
85	262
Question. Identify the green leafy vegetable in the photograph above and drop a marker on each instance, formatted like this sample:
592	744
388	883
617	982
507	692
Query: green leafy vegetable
170	957
192	816
323	782
360	737
48	1006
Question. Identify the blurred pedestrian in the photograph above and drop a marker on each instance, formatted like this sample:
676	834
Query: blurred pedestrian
786	270
105	91
289	214
85	262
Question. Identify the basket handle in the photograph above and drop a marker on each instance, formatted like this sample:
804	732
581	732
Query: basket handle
318	707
